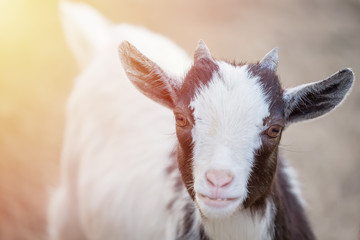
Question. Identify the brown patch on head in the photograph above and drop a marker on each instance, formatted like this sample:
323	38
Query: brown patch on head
265	162
185	159
198	76
270	83
263	172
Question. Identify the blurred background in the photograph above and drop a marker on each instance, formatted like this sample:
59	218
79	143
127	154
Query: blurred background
316	38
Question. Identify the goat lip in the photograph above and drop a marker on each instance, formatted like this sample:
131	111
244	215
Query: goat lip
216	202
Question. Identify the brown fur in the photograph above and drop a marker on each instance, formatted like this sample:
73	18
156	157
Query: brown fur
199	75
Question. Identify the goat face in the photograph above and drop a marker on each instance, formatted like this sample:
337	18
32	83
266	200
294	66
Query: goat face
220	114
229	120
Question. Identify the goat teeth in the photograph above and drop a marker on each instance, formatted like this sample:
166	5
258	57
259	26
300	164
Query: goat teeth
215	199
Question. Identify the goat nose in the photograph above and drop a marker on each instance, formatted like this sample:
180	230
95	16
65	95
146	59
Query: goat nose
219	178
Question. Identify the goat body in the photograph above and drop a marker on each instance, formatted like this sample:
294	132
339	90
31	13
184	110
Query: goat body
125	175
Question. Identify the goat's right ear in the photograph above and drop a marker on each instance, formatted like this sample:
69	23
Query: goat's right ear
147	76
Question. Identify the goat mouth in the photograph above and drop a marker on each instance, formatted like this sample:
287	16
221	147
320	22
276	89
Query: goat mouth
216	202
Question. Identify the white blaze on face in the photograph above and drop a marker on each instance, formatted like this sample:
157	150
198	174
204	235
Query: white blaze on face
229	113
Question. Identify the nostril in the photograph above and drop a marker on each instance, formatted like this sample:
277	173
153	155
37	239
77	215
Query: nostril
219	178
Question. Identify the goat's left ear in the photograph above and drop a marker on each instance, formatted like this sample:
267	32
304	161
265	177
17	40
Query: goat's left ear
147	76
315	99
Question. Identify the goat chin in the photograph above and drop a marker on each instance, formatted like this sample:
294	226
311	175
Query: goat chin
218	208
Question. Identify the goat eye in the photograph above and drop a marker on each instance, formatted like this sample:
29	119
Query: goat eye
274	131
181	120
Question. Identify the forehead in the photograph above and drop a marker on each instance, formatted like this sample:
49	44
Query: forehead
220	88
233	97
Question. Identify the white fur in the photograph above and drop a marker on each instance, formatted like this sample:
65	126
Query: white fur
86	30
229	115
117	142
243	225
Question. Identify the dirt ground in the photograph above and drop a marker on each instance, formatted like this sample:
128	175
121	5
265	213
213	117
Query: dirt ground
316	39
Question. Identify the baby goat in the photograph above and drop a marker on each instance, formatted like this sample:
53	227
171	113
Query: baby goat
229	120
125	177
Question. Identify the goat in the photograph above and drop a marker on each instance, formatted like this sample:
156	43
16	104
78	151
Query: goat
125	177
